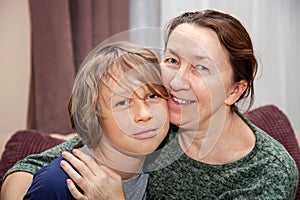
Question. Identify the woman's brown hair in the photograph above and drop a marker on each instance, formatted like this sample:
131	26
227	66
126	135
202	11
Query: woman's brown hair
235	40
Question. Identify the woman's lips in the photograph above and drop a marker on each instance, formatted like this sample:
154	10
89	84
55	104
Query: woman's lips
179	101
145	134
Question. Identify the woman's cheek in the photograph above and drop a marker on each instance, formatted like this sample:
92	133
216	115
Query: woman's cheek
166	75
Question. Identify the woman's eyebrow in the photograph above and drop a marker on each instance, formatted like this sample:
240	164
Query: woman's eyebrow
201	57
172	51
193	57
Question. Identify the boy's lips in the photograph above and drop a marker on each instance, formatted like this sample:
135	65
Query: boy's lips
145	134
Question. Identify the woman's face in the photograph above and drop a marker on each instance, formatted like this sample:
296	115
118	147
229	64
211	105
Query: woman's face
134	122
196	71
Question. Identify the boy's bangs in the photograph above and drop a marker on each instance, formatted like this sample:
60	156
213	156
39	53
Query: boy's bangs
132	74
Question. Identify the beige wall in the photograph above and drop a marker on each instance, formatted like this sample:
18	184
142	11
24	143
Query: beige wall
14	66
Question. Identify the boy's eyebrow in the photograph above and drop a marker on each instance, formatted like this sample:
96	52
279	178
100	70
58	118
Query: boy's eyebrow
123	93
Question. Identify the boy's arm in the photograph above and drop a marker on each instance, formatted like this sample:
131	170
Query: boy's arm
18	179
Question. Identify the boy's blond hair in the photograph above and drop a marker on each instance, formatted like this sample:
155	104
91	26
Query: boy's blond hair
110	63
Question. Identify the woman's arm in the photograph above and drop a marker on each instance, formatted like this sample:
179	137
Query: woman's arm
18	179
16	185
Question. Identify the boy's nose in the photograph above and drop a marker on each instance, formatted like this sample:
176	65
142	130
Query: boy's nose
141	112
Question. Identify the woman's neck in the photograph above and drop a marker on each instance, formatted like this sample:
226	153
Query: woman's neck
205	136
127	165
224	141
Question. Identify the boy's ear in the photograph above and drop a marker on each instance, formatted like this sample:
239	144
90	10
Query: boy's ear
235	92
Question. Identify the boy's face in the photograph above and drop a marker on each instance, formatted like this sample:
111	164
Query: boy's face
135	122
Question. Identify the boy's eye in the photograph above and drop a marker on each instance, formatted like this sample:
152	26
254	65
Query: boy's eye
152	96
123	103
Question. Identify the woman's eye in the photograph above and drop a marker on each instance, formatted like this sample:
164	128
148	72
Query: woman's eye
200	69
152	96
171	61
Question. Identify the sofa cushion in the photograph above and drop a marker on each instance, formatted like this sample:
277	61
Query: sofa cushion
273	121
24	143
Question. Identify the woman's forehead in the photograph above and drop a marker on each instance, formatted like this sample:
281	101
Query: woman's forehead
191	41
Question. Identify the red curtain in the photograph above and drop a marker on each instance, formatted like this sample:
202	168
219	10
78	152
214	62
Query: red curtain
63	32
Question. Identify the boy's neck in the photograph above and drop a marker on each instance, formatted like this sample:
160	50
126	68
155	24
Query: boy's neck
127	165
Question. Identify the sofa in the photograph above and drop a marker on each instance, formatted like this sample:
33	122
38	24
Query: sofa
269	118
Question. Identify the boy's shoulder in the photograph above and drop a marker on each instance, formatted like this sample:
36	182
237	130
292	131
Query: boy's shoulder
49	183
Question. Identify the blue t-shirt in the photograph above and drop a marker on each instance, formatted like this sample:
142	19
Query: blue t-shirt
49	183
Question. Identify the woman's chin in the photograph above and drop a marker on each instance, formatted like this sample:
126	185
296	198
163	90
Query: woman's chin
176	119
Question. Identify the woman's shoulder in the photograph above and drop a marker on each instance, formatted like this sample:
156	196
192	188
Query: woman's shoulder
51	169
267	148
264	141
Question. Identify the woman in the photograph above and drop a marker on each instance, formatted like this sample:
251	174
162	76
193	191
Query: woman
212	68
208	67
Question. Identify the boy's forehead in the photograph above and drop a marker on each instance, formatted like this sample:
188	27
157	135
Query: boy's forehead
127	81
121	87
130	92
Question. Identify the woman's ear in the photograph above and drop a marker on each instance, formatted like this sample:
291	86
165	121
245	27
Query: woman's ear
237	89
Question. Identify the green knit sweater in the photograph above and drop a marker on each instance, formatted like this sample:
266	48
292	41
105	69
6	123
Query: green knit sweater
267	172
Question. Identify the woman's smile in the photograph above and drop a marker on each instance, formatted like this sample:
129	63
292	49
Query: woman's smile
181	101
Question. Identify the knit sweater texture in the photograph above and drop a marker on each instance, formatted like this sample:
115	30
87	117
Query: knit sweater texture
267	172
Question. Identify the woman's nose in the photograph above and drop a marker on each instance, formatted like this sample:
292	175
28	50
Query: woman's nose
141	112
179	80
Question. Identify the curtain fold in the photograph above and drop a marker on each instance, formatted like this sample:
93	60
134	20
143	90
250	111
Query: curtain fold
63	32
